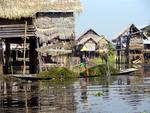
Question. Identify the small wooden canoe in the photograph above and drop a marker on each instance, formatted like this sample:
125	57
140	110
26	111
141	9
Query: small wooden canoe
126	71
31	77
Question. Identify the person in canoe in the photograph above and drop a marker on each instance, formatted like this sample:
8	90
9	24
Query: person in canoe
83	66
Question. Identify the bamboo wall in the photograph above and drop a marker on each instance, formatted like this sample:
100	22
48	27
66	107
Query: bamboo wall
136	48
56	30
50	25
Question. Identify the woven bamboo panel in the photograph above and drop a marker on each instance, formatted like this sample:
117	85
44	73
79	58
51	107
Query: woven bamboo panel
52	25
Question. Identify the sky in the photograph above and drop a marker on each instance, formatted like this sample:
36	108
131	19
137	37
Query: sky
110	17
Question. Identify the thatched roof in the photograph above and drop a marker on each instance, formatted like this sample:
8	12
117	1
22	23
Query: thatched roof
90	35
92	41
13	9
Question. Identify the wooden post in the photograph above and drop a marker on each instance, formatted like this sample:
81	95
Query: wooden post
24	49
40	62
1	58
39	58
33	55
119	52
26	99
7	56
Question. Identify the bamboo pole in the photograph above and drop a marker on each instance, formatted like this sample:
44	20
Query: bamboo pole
26	99
24	49
1	58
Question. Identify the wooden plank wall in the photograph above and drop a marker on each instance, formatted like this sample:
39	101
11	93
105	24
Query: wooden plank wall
16	30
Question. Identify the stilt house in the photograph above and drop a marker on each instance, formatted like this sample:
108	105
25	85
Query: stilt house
146	31
129	43
25	22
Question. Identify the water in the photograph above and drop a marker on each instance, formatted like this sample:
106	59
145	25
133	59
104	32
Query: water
121	94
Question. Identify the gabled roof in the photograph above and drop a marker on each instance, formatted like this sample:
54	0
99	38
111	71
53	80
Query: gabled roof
90	31
89	35
130	30
13	9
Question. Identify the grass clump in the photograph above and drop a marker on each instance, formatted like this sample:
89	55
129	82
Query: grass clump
58	73
98	60
102	70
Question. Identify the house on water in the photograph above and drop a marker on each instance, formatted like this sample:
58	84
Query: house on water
146	31
30	24
130	46
91	44
57	35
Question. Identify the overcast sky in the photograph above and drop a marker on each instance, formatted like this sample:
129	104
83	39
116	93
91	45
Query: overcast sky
109	17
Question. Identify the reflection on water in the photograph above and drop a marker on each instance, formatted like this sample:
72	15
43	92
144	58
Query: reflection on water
122	94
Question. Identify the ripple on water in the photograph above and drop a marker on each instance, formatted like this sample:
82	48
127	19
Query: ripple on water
76	97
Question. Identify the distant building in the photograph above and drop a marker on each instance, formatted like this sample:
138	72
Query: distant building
130	45
146	30
91	44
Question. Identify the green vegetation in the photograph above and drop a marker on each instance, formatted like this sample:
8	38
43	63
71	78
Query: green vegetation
58	82
61	73
98	94
58	73
111	59
111	49
102	70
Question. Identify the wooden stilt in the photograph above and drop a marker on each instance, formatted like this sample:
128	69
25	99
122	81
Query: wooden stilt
33	55
40	62
26	99
24	49
7	57
39	58
1	58
11	63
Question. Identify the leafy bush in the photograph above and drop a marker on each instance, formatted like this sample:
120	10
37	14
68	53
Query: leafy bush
111	49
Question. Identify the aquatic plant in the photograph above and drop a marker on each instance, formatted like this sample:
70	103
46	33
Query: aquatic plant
99	94
102	70
58	73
